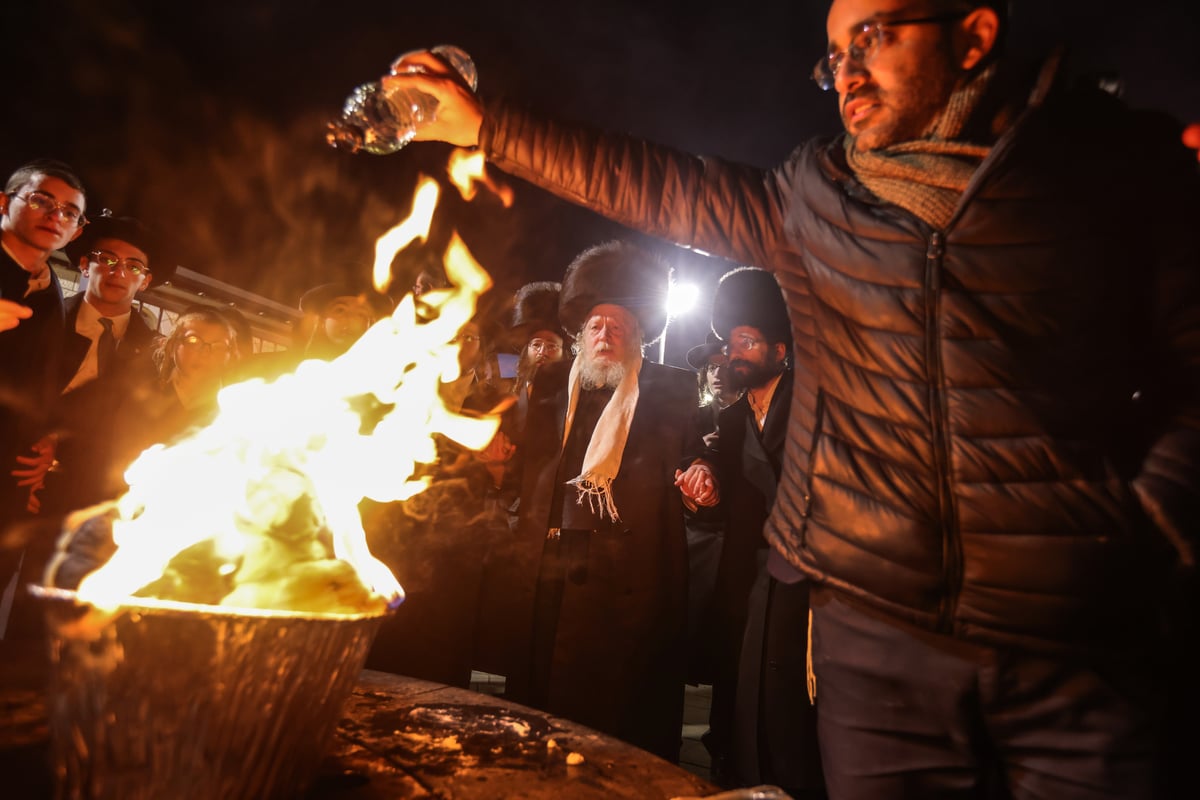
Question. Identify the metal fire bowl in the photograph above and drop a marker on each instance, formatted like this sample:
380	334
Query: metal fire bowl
174	700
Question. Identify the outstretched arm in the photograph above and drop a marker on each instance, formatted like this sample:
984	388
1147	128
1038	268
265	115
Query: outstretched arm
711	205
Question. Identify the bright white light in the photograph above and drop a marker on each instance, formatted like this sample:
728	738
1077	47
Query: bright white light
681	298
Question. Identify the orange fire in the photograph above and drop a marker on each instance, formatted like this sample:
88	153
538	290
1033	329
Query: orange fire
468	169
299	454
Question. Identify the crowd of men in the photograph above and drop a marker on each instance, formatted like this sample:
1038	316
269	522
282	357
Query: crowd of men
935	533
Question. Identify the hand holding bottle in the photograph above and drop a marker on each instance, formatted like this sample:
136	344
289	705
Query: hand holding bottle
424	98
459	113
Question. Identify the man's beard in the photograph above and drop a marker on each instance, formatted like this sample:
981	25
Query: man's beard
596	374
910	110
754	375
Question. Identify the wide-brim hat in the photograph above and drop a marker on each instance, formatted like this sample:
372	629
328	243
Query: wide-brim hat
315	300
105	225
750	296
535	308
698	356
622	274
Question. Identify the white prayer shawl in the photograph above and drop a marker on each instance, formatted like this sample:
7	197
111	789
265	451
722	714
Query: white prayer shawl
602	461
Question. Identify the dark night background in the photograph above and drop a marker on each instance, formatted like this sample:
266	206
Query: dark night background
207	119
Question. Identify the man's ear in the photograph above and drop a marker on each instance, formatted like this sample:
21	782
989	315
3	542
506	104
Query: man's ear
781	351
83	265
979	30
147	279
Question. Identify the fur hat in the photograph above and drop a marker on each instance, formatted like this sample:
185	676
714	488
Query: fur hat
316	299
751	296
535	308
622	274
127	229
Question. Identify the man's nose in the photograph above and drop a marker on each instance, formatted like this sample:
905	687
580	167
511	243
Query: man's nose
850	76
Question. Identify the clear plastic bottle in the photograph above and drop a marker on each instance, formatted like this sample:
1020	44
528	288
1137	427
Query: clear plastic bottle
377	121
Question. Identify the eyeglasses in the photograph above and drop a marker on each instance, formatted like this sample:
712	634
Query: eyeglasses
865	44
743	342
194	342
543	346
110	261
40	201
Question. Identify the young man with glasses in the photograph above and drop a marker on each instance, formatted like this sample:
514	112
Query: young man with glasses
114	255
106	355
41	210
993	465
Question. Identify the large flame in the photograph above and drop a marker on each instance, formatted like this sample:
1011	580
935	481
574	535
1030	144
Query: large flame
302	452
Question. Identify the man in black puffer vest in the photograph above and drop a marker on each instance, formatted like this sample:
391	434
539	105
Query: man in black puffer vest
992	472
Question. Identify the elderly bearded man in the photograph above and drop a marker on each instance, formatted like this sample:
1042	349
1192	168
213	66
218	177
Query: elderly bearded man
993	465
603	556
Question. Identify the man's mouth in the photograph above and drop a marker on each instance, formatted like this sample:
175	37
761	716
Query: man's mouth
858	109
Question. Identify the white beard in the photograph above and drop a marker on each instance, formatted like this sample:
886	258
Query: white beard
600	375
607	374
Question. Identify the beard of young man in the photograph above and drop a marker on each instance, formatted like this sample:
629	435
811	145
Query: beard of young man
597	373
745	374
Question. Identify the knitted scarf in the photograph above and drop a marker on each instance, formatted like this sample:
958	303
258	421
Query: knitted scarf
602	460
927	176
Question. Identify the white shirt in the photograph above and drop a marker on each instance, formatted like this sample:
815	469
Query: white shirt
88	324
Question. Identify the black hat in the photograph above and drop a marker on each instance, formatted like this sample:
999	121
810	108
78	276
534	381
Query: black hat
127	229
622	274
698	356
535	308
750	296
316	299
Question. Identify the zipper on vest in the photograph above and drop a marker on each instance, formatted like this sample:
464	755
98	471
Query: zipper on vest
951	547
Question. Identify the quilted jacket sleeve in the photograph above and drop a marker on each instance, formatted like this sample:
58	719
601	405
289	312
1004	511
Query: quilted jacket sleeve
705	204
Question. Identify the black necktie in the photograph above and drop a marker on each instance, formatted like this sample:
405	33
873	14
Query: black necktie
106	347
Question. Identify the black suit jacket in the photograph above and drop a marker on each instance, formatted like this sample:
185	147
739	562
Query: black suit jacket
748	467
133	350
29	363
86	416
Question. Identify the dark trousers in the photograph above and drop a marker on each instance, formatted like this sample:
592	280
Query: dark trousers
905	713
774	723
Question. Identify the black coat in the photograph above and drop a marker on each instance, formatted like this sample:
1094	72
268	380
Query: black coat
86	417
761	718
747	466
29	362
618	661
